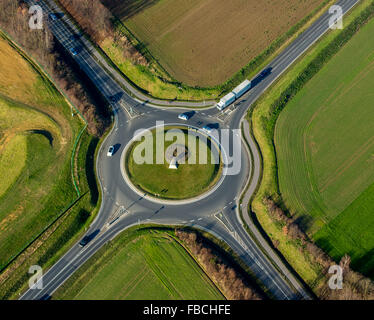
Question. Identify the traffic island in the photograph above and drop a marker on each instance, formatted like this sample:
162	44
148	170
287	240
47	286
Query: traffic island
172	164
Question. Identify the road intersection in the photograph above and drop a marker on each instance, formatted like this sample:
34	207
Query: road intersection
218	213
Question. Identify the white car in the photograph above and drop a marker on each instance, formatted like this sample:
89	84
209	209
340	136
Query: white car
186	116
183	116
207	129
110	151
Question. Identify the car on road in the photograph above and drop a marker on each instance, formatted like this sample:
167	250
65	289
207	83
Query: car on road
88	238
183	116
110	151
186	115
207	128
210	127
84	241
264	73
74	51
53	16
74	37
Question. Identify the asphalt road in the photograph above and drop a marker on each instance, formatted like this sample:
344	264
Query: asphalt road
218	213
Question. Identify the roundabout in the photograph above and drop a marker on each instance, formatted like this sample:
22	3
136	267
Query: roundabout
172	164
211	202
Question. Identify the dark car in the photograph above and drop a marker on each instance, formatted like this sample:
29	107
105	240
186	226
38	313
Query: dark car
266	72
74	37
84	241
88	238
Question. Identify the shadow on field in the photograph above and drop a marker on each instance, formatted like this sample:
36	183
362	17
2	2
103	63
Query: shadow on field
325	244
304	222
44	133
125	9
365	264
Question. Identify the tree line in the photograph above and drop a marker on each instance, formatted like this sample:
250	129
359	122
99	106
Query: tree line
355	285
232	284
99	23
41	45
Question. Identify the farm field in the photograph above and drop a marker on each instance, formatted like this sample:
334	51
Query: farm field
150	266
36	139
205	42
325	149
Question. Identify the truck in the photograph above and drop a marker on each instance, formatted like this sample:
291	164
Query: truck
242	88
226	101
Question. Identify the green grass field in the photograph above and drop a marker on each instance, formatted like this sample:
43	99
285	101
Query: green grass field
187	181
147	265
12	161
36	139
325	148
352	232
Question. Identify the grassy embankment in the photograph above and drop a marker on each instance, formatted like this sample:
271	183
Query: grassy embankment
140	264
159	83
189	180
40	208
263	118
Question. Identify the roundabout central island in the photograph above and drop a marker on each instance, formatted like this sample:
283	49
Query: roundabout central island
172	163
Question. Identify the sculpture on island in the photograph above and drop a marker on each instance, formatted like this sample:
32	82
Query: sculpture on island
176	154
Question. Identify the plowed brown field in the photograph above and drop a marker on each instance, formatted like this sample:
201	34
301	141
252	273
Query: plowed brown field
204	42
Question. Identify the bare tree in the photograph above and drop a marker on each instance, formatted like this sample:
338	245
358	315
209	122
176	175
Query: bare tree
40	44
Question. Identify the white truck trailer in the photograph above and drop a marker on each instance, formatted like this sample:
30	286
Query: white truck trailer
242	88
226	101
